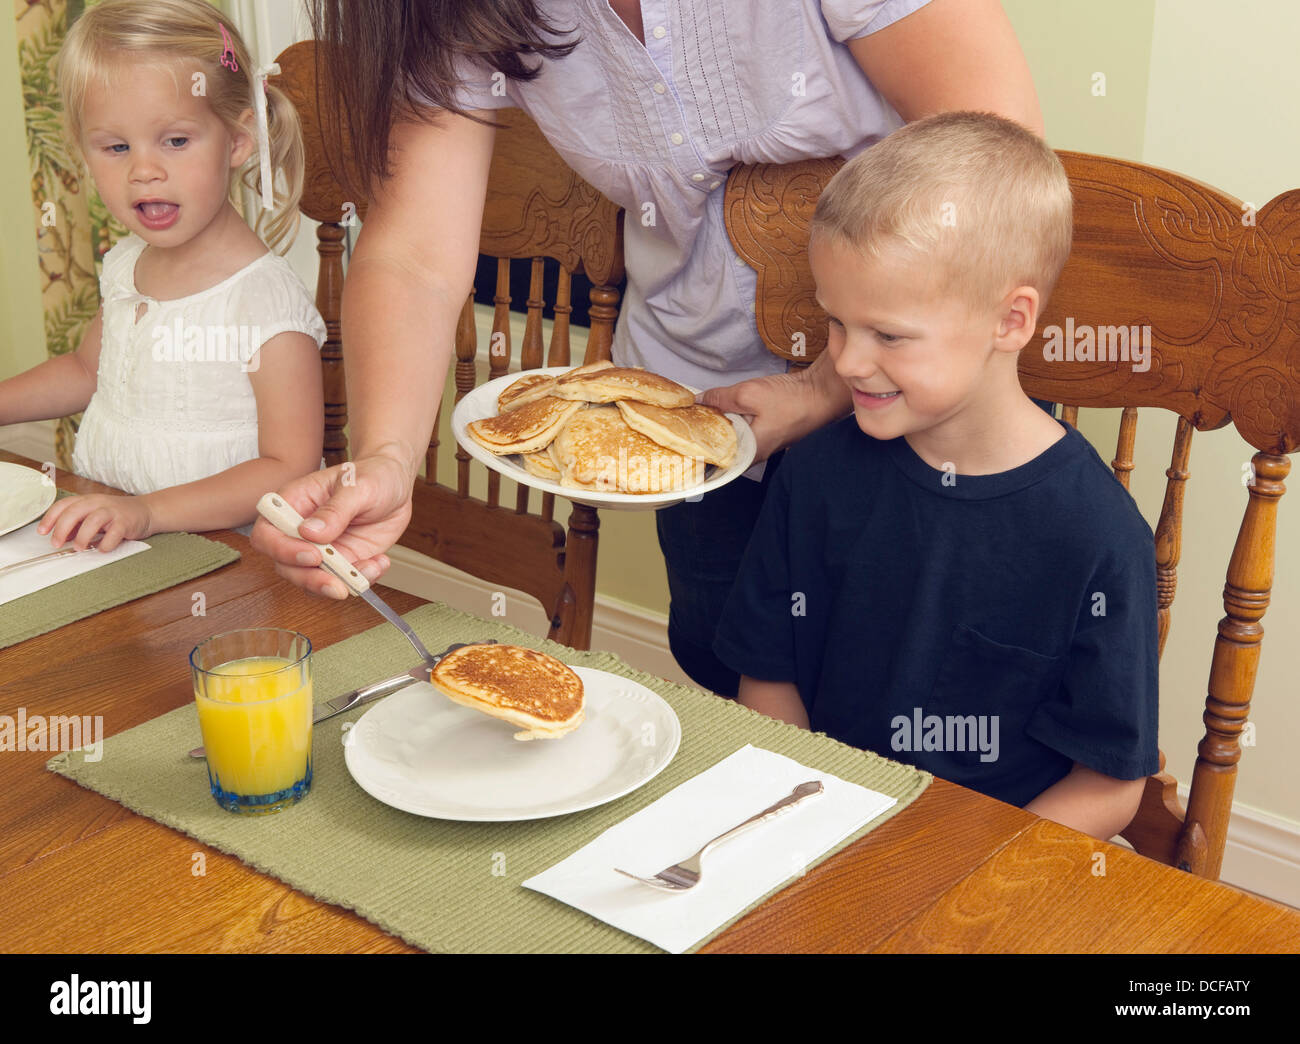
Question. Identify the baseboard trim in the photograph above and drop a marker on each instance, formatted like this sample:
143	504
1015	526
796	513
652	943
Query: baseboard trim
1262	854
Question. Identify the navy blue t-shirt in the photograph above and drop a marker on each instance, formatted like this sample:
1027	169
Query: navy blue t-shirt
991	629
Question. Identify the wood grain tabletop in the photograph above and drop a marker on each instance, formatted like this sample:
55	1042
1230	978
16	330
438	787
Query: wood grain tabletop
955	872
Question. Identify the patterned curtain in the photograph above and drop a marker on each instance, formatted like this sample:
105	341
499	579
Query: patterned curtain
73	228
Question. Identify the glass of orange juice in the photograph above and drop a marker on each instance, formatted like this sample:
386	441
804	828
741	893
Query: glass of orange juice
253	689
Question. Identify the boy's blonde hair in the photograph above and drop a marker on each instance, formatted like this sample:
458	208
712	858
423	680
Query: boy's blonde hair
981	199
116	34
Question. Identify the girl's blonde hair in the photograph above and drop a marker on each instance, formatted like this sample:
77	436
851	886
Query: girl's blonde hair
983	201
188	33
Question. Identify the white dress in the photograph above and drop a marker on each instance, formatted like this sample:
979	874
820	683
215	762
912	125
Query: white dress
173	402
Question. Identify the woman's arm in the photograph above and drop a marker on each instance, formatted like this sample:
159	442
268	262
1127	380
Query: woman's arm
951	55
1090	802
408	280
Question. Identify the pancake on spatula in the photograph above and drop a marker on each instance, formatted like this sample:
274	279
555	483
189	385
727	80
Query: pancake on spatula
622	382
525	687
597	450
695	430
525	430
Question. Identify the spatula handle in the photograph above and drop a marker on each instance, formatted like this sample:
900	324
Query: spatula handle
280	514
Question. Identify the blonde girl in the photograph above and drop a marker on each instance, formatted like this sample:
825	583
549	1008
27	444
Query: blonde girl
200	375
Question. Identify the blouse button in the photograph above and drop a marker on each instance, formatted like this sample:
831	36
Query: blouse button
660	32
676	138
660	88
714	184
697	176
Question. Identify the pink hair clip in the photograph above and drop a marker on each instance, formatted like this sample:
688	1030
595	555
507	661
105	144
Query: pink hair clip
227	50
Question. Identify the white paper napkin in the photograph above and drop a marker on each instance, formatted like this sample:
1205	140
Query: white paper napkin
27	543
736	874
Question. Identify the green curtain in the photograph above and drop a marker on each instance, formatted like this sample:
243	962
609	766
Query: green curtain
73	228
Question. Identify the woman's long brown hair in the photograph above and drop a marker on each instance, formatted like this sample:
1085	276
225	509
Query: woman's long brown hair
368	50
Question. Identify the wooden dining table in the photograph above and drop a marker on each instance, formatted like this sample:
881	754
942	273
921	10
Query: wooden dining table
954	872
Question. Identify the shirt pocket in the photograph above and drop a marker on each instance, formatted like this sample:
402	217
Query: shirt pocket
991	690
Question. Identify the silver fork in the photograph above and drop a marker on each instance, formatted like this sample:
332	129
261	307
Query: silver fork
686	875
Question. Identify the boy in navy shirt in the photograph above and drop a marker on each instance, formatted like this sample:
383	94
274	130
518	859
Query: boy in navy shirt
951	577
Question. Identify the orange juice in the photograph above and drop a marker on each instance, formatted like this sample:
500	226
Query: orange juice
255	715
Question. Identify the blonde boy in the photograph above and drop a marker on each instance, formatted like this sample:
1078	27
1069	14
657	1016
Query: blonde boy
950	576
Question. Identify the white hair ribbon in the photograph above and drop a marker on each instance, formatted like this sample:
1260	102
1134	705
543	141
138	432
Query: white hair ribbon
263	134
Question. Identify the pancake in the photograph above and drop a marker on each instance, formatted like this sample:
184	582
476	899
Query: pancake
591	367
622	382
542	464
525	687
596	450
528	388
533	386
525	430
694	431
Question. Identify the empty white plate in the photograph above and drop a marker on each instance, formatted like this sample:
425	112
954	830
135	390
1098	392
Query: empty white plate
418	751
25	494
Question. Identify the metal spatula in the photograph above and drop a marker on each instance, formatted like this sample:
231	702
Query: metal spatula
275	510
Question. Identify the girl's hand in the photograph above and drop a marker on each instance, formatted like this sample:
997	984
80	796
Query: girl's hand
82	518
365	506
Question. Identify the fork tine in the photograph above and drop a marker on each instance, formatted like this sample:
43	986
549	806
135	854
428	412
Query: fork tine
658	881
679	877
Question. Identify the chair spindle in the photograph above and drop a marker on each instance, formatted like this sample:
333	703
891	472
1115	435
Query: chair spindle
1232	671
603	312
558	353
1123	462
1169	530
329	301
530	353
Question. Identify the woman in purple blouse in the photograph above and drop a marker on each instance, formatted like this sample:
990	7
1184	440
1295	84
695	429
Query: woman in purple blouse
651	101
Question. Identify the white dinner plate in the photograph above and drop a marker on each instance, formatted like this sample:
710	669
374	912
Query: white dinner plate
418	751
25	494
481	402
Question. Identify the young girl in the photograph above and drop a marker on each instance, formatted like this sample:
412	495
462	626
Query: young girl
200	376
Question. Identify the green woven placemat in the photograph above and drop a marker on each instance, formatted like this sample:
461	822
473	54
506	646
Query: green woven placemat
174	558
444	886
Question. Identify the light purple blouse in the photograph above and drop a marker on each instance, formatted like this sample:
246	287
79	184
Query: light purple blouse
656	128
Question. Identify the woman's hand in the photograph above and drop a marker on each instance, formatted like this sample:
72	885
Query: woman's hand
785	407
365	506
82	518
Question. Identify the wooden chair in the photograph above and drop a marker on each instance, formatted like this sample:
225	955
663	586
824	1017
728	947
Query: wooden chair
1219	285
536	208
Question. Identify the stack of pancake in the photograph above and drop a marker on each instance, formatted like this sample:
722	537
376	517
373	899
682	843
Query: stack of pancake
608	428
527	688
